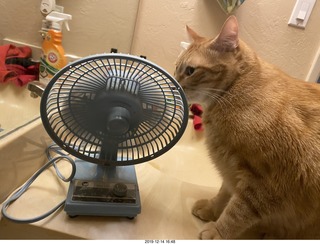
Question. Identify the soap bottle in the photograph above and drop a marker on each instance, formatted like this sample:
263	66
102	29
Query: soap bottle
53	56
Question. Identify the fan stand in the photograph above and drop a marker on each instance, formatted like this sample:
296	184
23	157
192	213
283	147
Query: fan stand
100	190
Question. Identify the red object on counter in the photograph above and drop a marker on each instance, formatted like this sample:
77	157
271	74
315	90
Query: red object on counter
15	65
197	111
197	123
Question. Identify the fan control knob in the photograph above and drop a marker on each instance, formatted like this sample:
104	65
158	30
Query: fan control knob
120	189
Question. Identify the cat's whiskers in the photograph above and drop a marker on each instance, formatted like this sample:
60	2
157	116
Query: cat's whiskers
238	97
216	90
218	97
213	97
223	103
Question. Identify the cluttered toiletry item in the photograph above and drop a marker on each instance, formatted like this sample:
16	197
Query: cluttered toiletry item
53	55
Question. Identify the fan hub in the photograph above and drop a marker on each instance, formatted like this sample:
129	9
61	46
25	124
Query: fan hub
118	121
114	113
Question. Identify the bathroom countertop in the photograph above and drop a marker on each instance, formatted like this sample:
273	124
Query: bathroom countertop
168	188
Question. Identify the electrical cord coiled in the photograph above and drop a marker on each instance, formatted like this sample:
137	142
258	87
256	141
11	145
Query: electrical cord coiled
20	191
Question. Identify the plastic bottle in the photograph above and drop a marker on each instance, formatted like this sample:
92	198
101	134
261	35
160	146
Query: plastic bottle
53	56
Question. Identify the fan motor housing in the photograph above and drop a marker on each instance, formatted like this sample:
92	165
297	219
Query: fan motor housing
114	113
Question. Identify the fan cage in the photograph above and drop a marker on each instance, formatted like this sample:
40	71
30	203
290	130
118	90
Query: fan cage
65	109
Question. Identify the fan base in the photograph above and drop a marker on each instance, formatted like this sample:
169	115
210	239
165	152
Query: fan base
99	190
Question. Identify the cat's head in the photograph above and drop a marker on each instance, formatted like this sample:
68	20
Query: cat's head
209	67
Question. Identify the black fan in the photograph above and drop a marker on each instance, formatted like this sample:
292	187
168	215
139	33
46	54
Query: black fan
113	110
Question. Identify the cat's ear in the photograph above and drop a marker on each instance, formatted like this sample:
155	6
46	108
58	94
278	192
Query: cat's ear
228	39
192	34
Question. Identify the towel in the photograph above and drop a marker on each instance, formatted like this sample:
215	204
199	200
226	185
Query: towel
197	111
15	65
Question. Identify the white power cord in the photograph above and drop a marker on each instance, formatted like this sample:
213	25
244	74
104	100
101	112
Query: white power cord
52	161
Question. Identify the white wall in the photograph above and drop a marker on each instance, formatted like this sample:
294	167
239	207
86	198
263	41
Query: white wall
161	27
96	25
263	25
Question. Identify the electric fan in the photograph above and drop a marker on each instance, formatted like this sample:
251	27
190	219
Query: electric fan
112	111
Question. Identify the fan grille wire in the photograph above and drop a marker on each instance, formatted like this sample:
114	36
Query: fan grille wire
65	110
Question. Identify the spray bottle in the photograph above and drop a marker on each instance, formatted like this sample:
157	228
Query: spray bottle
53	56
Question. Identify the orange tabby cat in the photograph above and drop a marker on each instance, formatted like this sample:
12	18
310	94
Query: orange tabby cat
263	135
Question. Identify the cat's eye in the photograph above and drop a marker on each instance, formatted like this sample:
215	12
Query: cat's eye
189	70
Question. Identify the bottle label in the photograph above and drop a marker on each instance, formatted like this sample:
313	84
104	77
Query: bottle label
47	70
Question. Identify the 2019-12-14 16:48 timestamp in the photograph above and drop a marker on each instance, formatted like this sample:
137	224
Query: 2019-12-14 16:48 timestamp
159	241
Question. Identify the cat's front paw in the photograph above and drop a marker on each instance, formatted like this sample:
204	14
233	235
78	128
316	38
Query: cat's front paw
210	232
203	209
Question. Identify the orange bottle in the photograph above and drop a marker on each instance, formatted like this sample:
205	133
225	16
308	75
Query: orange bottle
53	56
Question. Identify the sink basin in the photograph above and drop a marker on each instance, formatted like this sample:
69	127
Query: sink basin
22	152
22	137
168	186
17	108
